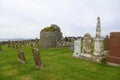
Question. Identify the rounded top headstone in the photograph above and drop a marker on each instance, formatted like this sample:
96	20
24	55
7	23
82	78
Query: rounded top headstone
87	35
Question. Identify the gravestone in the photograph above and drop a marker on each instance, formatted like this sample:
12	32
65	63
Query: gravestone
98	40
86	47
114	55
98	46
17	46
106	43
21	57
87	44
36	41
77	48
32	44
37	58
10	45
13	44
20	46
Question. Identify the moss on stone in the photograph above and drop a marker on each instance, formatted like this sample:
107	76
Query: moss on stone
51	28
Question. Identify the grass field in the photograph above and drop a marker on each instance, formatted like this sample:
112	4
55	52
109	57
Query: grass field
58	65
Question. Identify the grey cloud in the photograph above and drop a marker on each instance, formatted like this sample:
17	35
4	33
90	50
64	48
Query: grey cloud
75	17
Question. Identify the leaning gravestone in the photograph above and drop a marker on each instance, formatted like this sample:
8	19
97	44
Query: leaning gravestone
9	43
21	56
37	58
77	48
114	55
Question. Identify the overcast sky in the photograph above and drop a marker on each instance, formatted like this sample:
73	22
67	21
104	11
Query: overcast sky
26	18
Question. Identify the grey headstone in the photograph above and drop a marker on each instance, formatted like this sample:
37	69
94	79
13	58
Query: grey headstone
21	56
37	58
87	44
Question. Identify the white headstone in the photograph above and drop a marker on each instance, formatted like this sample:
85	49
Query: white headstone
98	47
77	48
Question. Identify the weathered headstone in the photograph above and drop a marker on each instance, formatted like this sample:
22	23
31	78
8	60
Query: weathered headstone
37	58
21	56
17	46
10	45
36	41
77	48
98	47
13	44
87	44
32	44
86	47
20	46
106	43
98	40
114	55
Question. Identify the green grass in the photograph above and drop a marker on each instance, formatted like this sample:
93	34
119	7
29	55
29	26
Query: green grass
58	65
